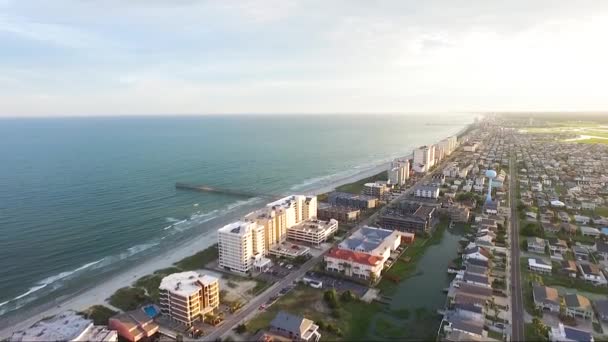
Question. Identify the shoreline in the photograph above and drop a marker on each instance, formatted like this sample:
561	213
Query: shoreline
98	294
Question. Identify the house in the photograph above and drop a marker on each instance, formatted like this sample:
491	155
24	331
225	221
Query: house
581	219
569	334
601	309
133	325
569	268
568	228
539	265
557	245
354	264
476	279
601	247
578	306
471	328
580	253
564	217
592	274
476	252
590	231
536	245
546	298
296	328
549	227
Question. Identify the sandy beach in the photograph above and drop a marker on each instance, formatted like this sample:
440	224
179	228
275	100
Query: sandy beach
99	293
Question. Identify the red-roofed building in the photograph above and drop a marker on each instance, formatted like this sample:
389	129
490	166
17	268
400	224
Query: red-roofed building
353	264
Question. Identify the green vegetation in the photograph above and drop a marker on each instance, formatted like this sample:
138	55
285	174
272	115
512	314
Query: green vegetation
495	335
354	316
531	229
357	186
601	211
536	331
405	266
260	286
198	260
593	141
422	326
129	298
100	314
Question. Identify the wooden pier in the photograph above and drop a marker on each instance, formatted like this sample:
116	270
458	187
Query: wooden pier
207	188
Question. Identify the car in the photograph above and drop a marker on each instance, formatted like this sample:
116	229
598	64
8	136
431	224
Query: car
262	307
290	266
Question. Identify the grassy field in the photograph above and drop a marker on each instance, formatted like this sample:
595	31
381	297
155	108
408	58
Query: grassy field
357	186
405	266
129	298
592	141
352	318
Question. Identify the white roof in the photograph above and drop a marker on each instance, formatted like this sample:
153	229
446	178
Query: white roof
66	326
185	284
238	227
533	262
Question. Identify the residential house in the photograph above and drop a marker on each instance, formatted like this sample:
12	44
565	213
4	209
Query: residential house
546	298
536	245
563	333
601	309
580	253
476	252
578	306
590	231
601	247
569	268
581	219
297	328
591	273
557	246
539	265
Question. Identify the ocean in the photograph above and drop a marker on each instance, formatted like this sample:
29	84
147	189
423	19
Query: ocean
83	198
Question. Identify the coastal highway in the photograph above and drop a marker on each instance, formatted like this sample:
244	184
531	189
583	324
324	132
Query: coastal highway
251	308
517	310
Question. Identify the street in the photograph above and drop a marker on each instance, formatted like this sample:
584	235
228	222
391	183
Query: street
517	309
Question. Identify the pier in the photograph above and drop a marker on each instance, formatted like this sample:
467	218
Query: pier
207	188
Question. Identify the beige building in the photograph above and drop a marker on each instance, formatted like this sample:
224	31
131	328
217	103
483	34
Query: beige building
313	232
374	189
188	296
239	243
399	171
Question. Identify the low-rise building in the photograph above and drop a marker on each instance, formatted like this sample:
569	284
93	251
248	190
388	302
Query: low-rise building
578	306
412	218
591	273
476	252
569	268
539	266
345	199
289	250
375	241
313	232
563	333
296	328
354	264
67	326
133	325
188	296
536	245
427	191
546	298
342	214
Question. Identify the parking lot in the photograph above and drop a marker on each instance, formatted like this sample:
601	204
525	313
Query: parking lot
340	285
277	271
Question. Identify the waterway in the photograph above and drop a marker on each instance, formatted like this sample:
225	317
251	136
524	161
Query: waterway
411	314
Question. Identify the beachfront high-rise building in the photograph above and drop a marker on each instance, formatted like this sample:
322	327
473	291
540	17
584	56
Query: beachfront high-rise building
238	243
445	147
399	171
296	208
424	158
188	296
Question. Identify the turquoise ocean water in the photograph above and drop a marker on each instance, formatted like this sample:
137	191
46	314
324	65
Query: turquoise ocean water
81	198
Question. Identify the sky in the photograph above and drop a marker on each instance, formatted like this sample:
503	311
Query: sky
143	57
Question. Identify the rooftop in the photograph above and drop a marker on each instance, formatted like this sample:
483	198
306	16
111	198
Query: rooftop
314	225
238	227
62	327
366	238
358	257
185	283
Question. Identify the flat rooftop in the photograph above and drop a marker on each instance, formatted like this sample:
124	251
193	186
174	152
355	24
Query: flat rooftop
314	225
65	326
238	227
185	283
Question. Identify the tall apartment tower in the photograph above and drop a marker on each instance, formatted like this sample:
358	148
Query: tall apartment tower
424	158
188	296
238	243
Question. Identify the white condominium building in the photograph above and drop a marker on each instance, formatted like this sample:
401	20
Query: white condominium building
399	171
238	243
188	296
424	158
313	232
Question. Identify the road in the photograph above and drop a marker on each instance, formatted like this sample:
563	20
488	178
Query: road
517	307
250	308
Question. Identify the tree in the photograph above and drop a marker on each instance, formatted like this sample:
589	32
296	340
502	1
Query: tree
347	296
240	329
524	245
331	298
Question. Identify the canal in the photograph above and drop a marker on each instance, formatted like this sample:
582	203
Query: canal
411	314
